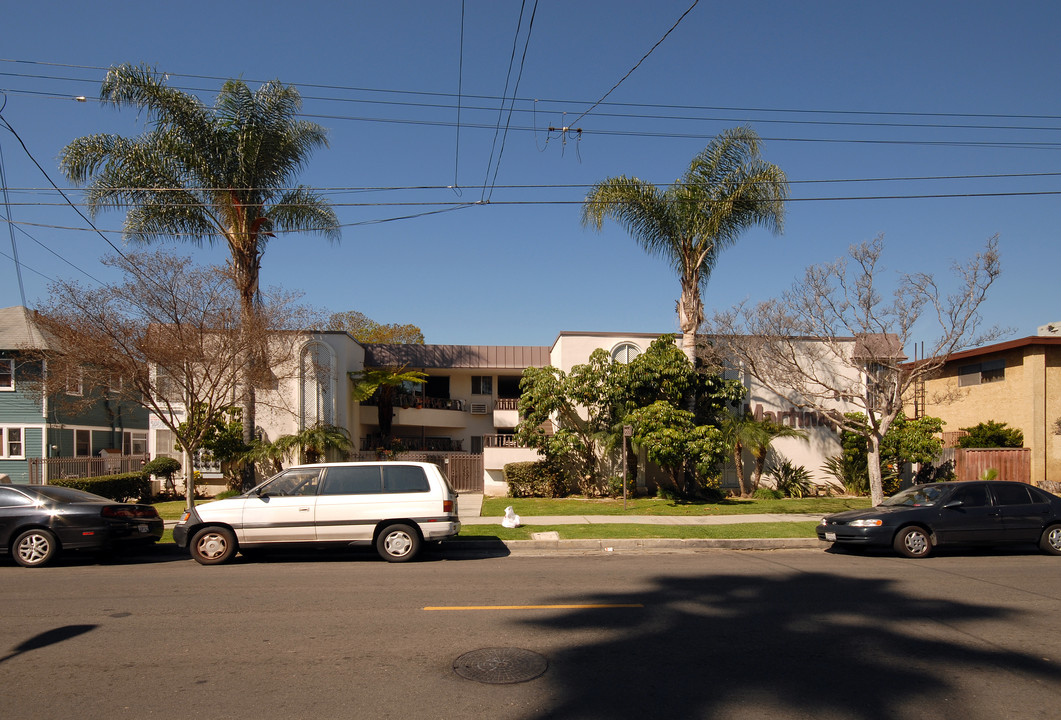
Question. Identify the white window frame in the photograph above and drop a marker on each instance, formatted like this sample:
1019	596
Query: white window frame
75	385
5	446
625	352
10	363
83	430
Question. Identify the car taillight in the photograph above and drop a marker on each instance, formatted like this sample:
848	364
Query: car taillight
128	512
447	506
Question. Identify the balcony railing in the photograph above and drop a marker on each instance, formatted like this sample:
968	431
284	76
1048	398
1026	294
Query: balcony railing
41	470
407	400
500	441
507	404
369	444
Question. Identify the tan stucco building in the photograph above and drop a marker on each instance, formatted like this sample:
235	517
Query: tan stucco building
1016	382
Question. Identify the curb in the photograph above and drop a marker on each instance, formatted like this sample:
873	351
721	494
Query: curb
633	544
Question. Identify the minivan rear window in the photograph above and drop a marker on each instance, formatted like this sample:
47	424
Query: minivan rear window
352	480
404	479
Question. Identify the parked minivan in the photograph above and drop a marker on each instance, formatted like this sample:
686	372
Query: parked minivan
394	506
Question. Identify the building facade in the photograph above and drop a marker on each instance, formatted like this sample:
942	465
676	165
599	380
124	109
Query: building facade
37	423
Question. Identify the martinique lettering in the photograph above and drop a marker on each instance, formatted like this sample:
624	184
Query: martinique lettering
793	417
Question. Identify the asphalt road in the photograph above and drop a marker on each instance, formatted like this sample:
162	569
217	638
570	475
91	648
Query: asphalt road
705	634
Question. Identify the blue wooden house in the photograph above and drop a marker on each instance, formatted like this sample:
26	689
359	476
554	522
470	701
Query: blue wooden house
37	423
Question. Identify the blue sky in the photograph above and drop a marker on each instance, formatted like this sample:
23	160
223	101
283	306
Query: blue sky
842	93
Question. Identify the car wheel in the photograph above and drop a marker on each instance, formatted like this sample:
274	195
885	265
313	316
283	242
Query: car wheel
1051	540
213	546
913	542
34	548
398	543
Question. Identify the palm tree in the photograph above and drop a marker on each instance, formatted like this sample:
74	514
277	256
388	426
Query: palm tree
741	431
727	189
315	441
386	381
206	174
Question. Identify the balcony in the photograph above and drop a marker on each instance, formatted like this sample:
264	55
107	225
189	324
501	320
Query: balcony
418	410
416	444
506	413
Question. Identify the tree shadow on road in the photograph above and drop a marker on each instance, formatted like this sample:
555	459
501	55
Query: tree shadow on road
809	645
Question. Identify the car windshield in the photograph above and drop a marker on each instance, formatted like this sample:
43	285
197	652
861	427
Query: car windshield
915	497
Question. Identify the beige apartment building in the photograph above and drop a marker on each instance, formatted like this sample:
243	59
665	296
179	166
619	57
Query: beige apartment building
1016	382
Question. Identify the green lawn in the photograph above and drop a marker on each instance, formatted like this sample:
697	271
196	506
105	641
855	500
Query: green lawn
625	530
657	506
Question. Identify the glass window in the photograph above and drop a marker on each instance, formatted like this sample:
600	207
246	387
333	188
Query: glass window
1011	494
82	443
915	497
292	482
7	374
404	479
625	352
984	372
13	498
352	480
74	382
13	442
973	496
482	385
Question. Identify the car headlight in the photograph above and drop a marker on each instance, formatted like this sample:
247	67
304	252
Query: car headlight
866	522
825	521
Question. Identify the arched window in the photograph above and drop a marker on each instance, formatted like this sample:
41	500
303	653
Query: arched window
317	385
625	352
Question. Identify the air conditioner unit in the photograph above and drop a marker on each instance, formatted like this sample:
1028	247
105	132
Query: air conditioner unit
478	408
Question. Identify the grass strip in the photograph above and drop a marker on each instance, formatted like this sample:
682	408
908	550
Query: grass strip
529	507
621	531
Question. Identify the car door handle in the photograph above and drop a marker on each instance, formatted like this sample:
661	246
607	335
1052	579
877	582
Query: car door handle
306	509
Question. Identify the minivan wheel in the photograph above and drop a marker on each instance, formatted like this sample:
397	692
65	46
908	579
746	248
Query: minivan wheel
398	543
913	542
1051	540
213	545
34	548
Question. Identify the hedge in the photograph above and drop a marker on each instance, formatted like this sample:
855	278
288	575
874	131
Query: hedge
534	479
123	488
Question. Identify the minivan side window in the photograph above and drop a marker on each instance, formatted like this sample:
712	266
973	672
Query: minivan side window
352	480
293	482
404	479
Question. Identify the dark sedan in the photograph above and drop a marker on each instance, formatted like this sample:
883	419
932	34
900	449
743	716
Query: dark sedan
923	517
37	521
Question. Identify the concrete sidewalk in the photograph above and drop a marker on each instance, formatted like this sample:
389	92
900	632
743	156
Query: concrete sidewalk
470	510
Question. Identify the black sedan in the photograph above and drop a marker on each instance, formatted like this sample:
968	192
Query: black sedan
37	521
922	517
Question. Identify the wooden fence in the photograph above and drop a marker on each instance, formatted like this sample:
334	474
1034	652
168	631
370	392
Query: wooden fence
1012	464
42	470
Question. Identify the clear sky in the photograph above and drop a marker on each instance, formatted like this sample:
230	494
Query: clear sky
941	119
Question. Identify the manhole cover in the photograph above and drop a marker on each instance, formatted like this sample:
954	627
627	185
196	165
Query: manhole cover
500	666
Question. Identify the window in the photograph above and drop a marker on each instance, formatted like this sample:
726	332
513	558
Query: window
292	483
625	352
7	374
74	383
404	479
318	386
972	496
1012	494
12	443
134	443
482	385
477	444
352	480
13	498
82	443
988	371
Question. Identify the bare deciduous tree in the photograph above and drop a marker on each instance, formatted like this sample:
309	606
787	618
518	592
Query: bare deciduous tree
170	336
833	344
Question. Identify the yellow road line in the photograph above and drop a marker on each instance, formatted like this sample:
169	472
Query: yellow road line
534	607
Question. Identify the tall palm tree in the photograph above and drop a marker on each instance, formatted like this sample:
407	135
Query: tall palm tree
727	189
199	174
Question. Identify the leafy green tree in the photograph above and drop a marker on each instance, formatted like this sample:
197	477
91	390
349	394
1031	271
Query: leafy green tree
588	407
225	173
991	434
315	442
222	441
364	329
727	190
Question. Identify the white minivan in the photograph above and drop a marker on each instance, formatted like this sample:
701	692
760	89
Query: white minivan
395	506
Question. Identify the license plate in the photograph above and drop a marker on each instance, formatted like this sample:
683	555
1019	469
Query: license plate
142	528
831	537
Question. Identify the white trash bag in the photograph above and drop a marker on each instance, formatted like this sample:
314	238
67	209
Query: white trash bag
511	519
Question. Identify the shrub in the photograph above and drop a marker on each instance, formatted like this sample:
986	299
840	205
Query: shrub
123	488
162	466
765	493
535	479
991	434
791	480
